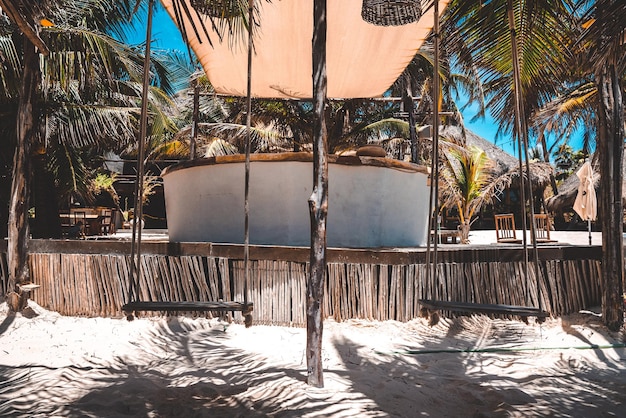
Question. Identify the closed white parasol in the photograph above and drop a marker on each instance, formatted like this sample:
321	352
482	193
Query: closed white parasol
586	204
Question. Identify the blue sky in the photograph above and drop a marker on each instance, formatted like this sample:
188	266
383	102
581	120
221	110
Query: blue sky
165	35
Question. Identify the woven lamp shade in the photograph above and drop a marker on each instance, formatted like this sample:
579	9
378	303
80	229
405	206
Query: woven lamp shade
391	12
219	8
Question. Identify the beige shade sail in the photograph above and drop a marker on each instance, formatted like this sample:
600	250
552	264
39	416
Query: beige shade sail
363	59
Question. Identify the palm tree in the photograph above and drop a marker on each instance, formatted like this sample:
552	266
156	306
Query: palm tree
478	36
82	96
480	45
591	99
607	59
545	31
469	182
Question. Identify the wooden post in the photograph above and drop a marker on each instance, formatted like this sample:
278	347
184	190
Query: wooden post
194	123
407	101
246	204
17	249
611	146
135	250
318	203
521	132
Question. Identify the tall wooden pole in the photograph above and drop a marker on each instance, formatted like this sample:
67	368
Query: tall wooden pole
318	203
17	249
521	132
194	123
246	247
407	102
135	264
611	148
434	185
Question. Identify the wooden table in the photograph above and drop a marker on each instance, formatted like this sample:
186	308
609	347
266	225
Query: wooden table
447	236
91	222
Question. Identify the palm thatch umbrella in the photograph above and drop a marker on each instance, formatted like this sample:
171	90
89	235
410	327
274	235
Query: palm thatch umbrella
504	163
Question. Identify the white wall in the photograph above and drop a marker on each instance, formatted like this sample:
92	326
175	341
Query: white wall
369	206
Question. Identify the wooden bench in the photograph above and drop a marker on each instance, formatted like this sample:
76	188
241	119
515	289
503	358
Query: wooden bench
484	308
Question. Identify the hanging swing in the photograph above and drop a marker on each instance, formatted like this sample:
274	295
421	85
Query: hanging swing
135	305
430	306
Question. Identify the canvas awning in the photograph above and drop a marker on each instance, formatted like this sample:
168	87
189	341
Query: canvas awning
363	59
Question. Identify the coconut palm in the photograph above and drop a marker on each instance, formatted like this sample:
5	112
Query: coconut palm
479	37
79	99
545	31
480	44
468	182
591	100
605	34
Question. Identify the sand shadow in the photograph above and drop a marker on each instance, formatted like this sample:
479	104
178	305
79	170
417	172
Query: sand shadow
6	323
192	372
440	382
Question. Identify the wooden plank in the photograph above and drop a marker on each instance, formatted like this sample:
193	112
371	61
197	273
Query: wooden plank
186	306
383	293
483	308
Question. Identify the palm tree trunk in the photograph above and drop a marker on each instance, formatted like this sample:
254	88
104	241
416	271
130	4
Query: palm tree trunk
611	147
464	231
17	250
546	158
318	203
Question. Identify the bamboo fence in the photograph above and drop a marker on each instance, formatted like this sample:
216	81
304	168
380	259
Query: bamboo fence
94	284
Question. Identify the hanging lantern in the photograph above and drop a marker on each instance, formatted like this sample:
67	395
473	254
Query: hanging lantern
219	8
391	12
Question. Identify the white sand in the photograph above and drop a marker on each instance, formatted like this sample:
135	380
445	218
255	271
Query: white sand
52	365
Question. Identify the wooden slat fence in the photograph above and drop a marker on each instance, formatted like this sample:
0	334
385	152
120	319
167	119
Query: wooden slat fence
99	284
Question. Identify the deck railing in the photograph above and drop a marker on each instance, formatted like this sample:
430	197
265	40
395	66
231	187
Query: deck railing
91	278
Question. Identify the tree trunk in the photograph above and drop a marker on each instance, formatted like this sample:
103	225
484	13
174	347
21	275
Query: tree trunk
464	232
318	203
17	250
546	158
611	147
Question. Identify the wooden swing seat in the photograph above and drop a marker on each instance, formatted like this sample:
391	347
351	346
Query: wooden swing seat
188	306
485	308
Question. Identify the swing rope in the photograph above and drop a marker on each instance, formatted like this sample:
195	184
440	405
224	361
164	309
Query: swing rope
135	248
522	137
135	304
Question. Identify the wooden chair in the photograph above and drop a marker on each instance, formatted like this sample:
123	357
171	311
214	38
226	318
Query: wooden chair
66	223
78	221
105	221
505	229
542	228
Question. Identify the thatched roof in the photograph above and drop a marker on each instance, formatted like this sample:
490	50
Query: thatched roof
505	163
568	190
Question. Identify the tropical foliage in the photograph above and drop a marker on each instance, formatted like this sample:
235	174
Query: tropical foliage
566	160
88	98
468	182
571	70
